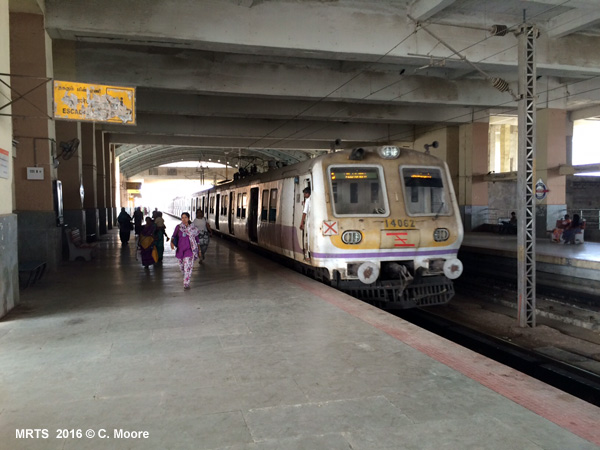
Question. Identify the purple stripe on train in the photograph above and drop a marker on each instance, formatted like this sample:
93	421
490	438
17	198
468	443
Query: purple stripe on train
386	254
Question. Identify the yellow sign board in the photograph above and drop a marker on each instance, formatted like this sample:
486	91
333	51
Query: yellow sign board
94	102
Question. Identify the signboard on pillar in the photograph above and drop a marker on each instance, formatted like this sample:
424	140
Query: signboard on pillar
541	190
4	161
94	102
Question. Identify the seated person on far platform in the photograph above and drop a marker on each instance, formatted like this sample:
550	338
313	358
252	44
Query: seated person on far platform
509	226
561	225
574	228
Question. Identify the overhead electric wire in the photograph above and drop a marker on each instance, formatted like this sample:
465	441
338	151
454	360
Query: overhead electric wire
416	89
336	89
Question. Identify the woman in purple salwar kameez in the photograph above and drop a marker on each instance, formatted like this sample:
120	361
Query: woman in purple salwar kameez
187	249
147	241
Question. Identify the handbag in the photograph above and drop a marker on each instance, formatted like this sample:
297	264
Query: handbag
146	241
175	239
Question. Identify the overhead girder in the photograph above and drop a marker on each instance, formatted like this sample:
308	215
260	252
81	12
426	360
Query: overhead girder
137	158
192	104
262	132
229	142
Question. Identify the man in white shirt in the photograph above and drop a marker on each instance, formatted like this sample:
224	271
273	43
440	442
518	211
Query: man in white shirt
306	208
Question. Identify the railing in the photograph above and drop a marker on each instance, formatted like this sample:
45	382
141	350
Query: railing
494	216
591	217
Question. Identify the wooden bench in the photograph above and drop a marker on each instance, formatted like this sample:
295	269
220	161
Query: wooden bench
77	248
35	271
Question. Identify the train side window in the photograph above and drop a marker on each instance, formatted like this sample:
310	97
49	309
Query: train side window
244	205
358	190
238	213
424	191
273	206
264	206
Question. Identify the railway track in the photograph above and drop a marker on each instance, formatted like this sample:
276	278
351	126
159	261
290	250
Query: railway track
581	383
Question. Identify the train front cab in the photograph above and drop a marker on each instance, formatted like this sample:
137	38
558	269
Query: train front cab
397	228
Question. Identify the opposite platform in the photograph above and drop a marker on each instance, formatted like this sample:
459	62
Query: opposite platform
254	356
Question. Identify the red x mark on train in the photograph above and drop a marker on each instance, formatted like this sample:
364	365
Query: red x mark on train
400	242
331	228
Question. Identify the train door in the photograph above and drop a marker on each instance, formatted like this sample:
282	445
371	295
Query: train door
253	215
231	212
218	211
299	206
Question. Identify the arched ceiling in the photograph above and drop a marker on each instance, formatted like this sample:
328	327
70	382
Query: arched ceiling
281	80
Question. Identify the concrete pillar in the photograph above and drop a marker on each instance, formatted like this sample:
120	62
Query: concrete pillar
551	152
90	198
109	177
70	174
9	263
39	237
473	165
101	182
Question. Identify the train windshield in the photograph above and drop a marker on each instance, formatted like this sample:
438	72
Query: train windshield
424	191
358	190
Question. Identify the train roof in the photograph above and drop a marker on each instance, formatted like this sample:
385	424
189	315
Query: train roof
370	155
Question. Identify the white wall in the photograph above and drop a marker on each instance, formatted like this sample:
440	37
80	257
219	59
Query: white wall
6	189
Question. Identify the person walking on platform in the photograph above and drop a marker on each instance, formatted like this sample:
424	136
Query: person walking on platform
161	233
138	216
184	238
147	243
124	221
204	233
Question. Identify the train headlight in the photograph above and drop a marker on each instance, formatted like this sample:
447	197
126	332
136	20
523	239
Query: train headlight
453	268
441	235
389	152
351	237
368	272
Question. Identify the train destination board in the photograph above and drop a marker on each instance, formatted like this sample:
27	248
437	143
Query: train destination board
94	102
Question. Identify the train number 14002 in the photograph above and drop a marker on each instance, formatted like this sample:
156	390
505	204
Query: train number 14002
399	223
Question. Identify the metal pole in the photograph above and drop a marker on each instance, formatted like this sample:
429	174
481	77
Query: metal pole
526	175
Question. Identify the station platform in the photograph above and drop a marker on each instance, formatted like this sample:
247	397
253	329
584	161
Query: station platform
254	356
586	255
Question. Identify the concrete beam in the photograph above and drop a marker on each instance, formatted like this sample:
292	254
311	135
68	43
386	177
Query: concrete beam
424	9
573	21
225	142
199	73
580	169
255	131
586	113
179	103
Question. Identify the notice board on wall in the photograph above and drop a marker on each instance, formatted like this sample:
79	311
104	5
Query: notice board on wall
4	162
94	102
